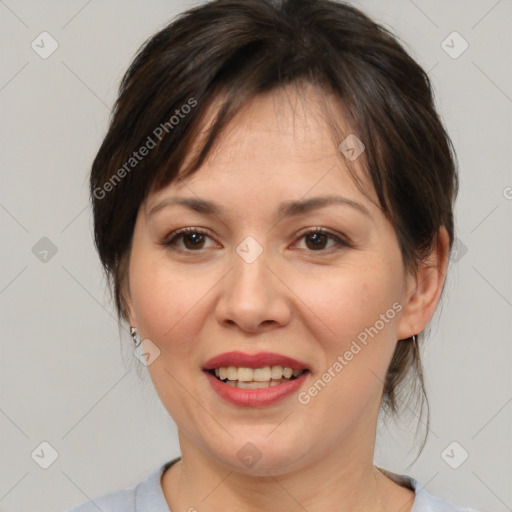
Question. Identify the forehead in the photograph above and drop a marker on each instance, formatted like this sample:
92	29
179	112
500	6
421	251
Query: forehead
292	121
279	145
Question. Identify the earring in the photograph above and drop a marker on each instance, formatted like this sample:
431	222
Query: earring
414	338
135	336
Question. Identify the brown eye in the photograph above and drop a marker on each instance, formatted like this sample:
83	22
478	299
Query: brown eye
192	240
317	240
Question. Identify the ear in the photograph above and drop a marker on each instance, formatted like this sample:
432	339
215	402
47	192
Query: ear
125	296
127	305
423	289
130	316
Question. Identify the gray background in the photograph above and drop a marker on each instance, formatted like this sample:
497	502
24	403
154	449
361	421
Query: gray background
67	376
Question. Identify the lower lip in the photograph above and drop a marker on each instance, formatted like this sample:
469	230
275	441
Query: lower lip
256	397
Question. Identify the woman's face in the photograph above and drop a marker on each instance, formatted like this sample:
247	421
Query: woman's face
250	279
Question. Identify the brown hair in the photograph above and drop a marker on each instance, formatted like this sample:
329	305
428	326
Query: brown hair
237	49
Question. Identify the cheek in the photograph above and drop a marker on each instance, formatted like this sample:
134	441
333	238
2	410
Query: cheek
345	303
356	313
170	305
165	300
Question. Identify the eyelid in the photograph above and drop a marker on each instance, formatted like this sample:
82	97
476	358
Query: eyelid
318	229
171	237
340	240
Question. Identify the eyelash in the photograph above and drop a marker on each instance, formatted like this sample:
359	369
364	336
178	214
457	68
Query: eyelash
171	239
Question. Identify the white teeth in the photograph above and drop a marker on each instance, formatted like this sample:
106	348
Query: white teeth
261	374
245	374
254	384
277	372
232	373
254	375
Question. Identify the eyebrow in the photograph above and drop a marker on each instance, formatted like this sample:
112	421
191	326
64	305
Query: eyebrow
286	209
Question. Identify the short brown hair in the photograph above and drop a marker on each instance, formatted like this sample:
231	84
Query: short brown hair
237	49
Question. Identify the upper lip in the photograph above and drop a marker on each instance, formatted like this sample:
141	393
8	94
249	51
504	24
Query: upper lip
258	360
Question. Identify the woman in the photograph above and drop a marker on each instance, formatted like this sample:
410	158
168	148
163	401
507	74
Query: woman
273	209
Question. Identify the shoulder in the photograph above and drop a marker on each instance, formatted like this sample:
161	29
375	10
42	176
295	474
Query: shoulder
122	500
424	501
145	495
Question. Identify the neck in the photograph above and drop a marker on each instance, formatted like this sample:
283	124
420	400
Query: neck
343	480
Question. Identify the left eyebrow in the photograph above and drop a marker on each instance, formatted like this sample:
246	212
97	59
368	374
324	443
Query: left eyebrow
291	208
286	209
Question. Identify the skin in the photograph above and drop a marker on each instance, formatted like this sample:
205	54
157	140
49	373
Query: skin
297	299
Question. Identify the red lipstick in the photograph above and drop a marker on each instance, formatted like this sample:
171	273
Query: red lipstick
258	360
257	397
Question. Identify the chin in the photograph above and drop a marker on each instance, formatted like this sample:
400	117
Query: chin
260	454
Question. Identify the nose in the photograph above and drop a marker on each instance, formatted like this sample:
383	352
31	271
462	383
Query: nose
253	297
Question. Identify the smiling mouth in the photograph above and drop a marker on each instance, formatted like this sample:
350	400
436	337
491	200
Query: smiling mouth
255	378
